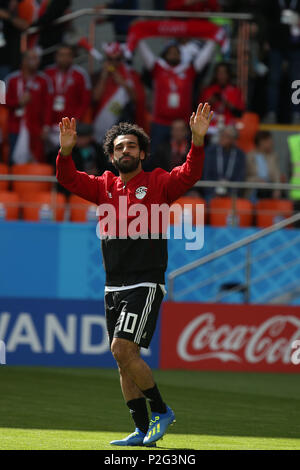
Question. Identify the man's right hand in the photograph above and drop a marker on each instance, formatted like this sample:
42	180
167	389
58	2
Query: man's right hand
68	136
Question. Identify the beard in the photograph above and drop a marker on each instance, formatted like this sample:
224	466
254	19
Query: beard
127	166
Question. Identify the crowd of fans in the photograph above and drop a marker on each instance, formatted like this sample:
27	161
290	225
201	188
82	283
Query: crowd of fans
42	88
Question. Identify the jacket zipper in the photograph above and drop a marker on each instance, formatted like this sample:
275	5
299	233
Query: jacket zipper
125	194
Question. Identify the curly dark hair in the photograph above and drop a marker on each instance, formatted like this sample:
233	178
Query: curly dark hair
125	128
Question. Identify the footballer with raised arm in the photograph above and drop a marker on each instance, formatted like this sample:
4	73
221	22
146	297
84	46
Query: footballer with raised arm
134	266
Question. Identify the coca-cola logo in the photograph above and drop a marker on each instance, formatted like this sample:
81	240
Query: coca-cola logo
271	341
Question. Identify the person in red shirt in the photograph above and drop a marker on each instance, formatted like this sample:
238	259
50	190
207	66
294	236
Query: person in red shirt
72	90
135	264
193	5
71	83
224	96
114	93
173	83
29	101
173	152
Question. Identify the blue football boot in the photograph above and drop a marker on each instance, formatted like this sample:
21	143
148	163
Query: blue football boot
158	425
134	439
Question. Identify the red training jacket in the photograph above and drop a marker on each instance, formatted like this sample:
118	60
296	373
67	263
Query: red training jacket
128	261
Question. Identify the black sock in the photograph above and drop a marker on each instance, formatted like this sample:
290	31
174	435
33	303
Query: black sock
139	413
156	402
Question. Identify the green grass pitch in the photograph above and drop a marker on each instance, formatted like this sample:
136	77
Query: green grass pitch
58	408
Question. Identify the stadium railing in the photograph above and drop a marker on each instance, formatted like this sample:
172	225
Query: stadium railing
234	186
246	264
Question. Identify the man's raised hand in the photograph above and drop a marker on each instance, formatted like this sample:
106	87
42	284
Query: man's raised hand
199	123
67	135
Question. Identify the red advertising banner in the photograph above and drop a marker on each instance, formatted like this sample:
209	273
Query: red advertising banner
230	337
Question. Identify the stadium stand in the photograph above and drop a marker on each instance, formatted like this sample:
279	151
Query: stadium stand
9	203
175	218
270	211
80	209
33	169
222	212
43	206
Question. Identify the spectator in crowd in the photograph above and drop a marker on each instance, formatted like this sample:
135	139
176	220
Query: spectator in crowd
193	5
121	23
113	94
139	101
224	97
173	152
29	100
72	90
4	147
89	156
50	35
11	27
224	162
189	49
262	166
173	86
282	18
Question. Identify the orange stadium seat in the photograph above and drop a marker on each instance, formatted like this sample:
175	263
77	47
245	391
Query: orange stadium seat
176	218
271	211
32	204
221	212
11	203
79	209
3	171
33	169
247	127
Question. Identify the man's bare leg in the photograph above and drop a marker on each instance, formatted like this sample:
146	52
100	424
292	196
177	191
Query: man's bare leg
135	400
129	388
133	367
128	358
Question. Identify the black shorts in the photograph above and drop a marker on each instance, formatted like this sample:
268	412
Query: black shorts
132	313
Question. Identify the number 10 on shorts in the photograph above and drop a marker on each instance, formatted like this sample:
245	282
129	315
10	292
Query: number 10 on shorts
127	322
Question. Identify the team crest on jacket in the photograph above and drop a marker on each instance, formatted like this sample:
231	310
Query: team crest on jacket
141	192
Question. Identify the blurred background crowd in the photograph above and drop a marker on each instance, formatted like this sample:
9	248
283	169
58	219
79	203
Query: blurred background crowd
154	72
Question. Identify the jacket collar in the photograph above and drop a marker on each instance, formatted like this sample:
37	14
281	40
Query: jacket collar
133	181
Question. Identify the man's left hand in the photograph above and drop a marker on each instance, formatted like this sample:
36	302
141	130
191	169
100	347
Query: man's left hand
199	123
